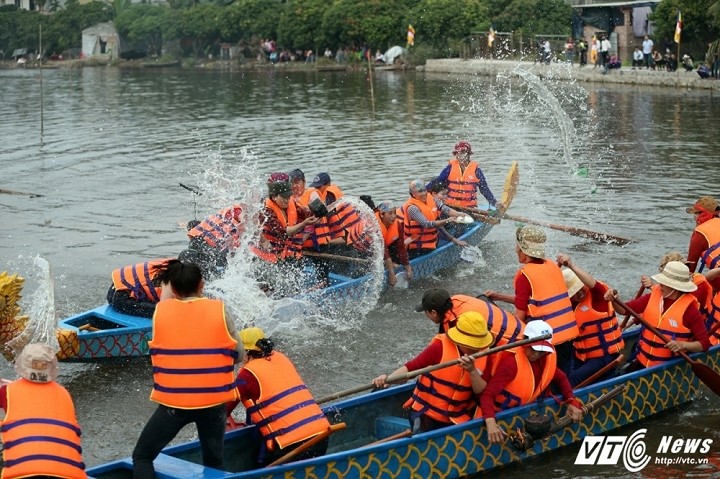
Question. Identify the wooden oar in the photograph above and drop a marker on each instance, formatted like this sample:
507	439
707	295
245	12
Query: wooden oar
601	372
21	193
320	437
583	233
400	435
336	257
714	329
523	441
404	377
705	373
480	215
627	316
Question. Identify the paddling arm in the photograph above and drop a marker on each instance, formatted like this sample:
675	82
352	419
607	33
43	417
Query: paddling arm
685	346
476	376
390	268
380	380
584	276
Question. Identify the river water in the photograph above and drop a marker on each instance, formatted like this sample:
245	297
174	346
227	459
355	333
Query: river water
116	144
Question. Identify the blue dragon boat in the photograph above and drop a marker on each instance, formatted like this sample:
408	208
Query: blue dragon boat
103	333
365	448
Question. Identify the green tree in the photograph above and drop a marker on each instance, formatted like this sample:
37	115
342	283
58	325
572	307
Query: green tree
300	24
143	23
65	27
700	26
201	25
549	17
377	23
439	22
247	18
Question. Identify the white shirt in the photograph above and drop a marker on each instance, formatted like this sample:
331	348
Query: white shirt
605	45
638	55
647	46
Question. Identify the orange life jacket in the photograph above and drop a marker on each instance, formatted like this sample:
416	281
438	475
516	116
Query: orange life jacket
714	318
600	333
425	238
192	354
390	234
703	294
321	230
285	413
711	231
282	246
524	388
651	349
40	433
549	299
221	230
446	394
506	328
138	279
343	219
462	185
304	199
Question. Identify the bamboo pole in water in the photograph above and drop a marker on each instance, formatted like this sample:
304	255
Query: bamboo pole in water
370	73
42	111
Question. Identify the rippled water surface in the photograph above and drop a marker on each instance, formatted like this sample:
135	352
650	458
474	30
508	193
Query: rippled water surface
116	145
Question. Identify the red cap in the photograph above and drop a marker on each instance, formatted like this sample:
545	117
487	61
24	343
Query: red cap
462	146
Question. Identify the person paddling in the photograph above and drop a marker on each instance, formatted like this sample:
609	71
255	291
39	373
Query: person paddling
214	240
277	401
444	310
447	396
540	292
600	340
705	240
672	309
521	376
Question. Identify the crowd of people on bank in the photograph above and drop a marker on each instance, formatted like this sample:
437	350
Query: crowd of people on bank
195	347
353	54
597	51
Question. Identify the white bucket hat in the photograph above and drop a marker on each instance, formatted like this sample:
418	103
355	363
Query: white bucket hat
572	282
538	328
676	275
37	363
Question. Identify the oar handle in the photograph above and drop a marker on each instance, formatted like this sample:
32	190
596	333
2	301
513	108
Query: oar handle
652	328
337	257
418	372
627	316
307	445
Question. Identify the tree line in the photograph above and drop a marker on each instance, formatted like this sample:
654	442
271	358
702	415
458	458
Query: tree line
198	27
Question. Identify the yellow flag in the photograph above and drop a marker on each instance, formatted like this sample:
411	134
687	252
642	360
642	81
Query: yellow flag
678	27
411	36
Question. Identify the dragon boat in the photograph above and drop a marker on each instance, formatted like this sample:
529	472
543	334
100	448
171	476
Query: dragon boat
373	439
103	333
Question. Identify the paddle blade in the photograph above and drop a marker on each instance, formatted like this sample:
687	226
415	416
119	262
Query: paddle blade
707	375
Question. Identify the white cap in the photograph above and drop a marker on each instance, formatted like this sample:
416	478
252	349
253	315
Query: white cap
37	363
537	328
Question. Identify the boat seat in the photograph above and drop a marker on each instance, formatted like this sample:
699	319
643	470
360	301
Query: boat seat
386	426
169	467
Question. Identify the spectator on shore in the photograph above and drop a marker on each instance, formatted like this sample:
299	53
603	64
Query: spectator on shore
604	52
614	62
704	71
547	51
716	65
658	60
638	58
341	56
570	51
309	57
583	48
647	50
594	57
687	63
379	57
671	62
328	53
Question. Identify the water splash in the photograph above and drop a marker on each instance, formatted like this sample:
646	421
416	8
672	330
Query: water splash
226	180
42	323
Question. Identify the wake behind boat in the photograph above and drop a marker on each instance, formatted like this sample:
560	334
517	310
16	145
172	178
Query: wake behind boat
455	451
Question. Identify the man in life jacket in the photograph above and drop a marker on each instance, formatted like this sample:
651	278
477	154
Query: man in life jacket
444	310
421	220
300	193
447	396
193	350
704	292
540	292
520	376
135	290
393	235
214	239
600	340
673	310
40	433
277	401
464	178
705	240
